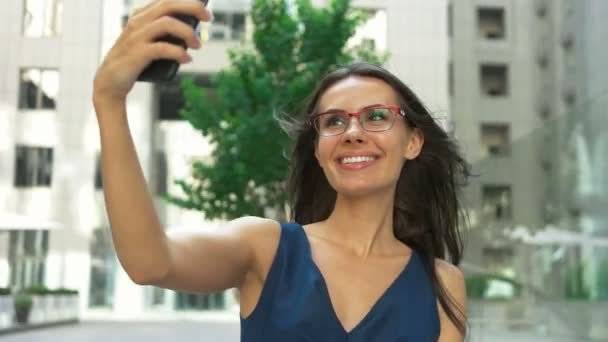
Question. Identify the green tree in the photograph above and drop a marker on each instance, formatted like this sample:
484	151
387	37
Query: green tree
292	49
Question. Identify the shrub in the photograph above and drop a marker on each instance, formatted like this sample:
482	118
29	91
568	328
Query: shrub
40	290
23	300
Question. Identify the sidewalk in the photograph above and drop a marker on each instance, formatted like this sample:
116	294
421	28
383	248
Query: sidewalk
15	328
507	336
224	316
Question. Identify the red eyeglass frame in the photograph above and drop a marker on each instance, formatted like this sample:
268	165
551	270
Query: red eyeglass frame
394	109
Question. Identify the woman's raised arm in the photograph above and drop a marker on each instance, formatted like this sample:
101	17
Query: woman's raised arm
204	261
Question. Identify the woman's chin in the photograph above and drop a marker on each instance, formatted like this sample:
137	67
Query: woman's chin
360	190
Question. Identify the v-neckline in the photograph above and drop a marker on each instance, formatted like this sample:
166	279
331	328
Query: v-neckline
325	288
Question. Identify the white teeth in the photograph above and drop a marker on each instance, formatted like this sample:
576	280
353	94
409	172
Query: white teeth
361	159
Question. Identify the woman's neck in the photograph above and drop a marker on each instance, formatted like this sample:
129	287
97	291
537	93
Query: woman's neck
363	224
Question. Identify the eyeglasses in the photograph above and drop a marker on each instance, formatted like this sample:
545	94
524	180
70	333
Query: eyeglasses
372	119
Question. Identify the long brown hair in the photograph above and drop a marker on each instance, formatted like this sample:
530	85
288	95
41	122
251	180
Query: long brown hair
427	206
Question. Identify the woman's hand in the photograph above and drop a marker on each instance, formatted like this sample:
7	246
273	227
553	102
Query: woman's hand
138	45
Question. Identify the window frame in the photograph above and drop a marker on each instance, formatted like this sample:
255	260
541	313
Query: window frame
227	28
487	71
34	175
51	25
23	101
487	11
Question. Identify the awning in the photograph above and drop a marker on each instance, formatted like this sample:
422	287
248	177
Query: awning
23	222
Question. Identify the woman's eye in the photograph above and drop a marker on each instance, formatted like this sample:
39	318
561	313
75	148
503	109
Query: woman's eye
378	115
334	120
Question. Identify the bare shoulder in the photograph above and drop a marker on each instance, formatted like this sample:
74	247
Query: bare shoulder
452	279
449	273
253	225
262	236
258	233
247	231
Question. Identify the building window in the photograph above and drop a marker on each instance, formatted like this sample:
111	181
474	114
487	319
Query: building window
38	88
170	94
491	23
98	173
451	78
191	301
568	40
157	296
33	166
450	19
161	173
497	201
569	94
103	268
542	7
42	18
494	80
227	26
495	139
27	256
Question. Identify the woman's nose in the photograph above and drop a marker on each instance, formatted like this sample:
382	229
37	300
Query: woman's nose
354	132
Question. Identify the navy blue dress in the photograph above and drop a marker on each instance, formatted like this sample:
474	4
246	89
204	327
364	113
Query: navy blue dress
295	305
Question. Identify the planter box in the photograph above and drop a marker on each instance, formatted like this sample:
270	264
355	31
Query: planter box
73	306
6	311
37	312
45	309
54	308
51	308
61	305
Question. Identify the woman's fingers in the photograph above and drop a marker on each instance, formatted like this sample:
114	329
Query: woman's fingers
160	8
163	26
164	50
139	44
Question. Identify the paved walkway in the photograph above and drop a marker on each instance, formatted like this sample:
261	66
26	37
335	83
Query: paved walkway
190	331
131	331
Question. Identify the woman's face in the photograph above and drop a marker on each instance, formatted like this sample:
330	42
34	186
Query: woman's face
385	151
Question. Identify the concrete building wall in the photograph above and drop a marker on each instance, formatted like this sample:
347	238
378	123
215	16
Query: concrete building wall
518	169
555	111
69	129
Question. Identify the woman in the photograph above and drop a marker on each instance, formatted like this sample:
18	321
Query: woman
374	187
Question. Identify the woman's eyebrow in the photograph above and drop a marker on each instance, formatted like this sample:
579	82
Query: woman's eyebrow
342	110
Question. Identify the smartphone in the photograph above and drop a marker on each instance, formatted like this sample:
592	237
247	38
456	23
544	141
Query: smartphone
163	70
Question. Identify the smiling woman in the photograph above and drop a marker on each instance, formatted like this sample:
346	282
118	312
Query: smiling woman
359	189
372	251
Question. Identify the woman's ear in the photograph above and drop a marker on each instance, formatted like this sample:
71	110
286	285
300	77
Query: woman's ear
414	144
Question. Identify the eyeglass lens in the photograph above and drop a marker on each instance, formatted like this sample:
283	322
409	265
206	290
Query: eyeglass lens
373	119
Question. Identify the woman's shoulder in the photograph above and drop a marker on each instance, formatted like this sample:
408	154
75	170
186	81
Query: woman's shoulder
452	279
448	272
263	235
256	230
451	276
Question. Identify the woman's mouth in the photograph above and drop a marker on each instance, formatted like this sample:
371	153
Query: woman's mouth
356	162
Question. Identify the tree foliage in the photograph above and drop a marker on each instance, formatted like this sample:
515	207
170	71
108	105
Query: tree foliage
293	47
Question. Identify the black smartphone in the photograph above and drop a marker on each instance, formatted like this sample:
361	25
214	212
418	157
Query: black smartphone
163	70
